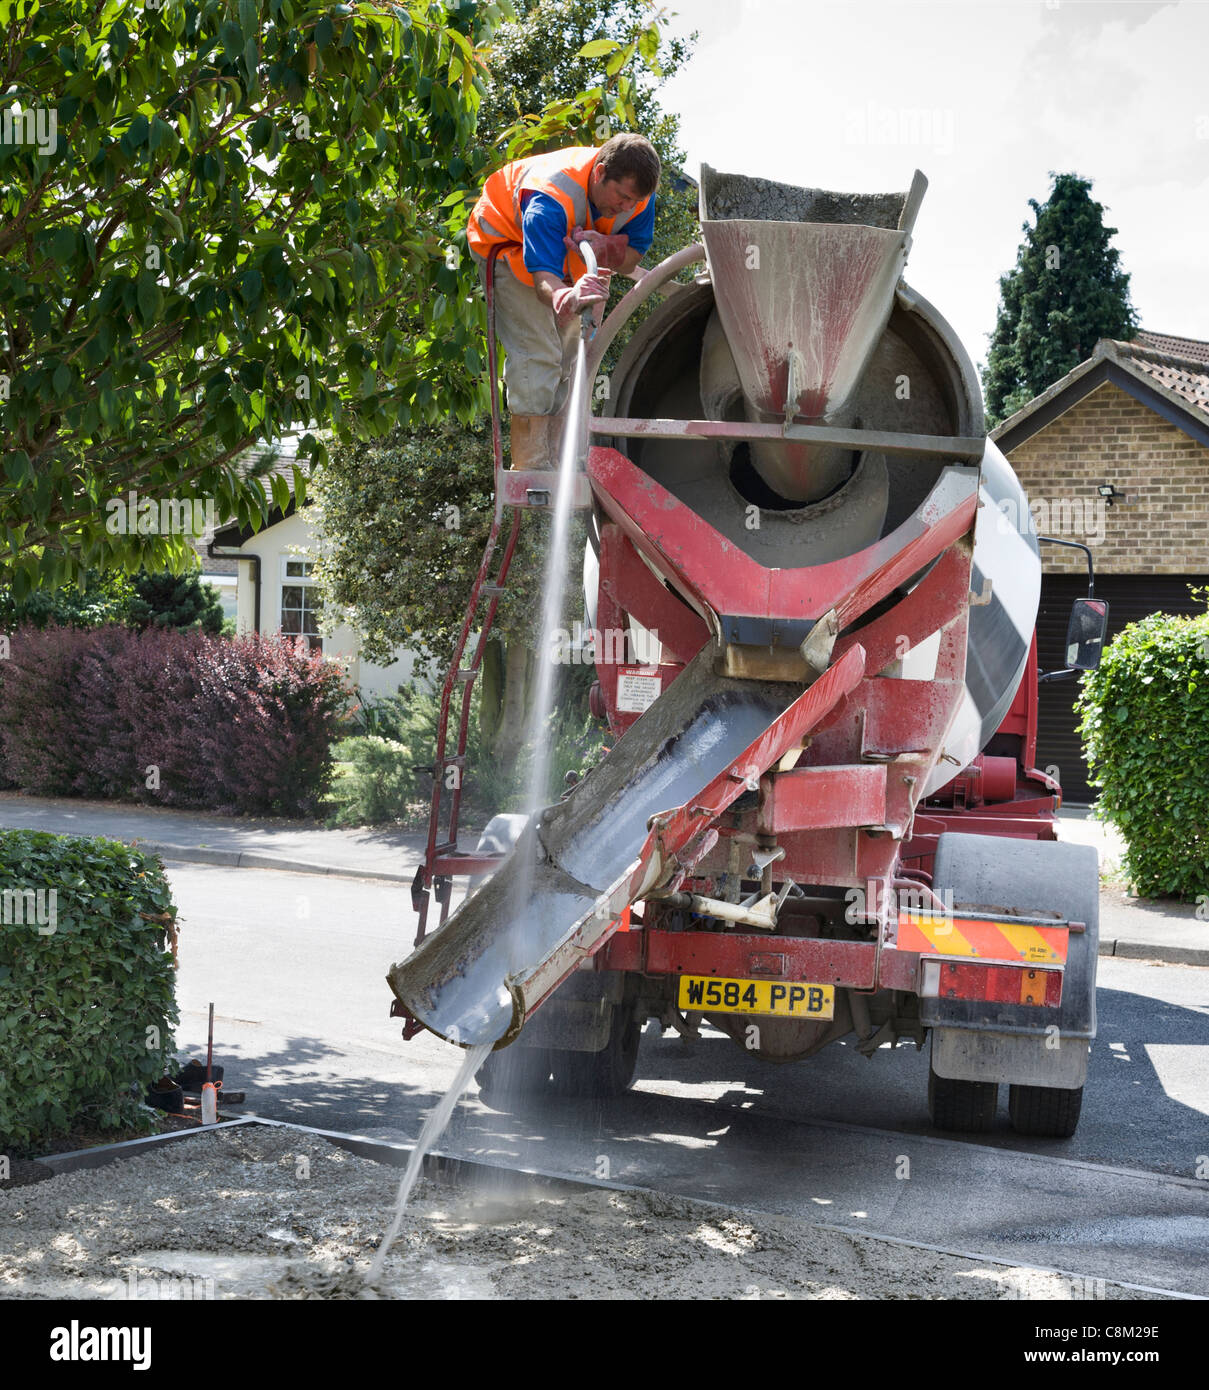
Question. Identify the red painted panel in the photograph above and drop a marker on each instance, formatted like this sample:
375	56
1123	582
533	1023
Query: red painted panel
671	832
848	964
634	589
1021	718
465	863
853	964
514	485
715	572
934	601
813	798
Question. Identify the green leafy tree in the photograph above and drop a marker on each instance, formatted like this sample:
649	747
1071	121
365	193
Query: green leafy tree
407	526
1066	291
405	518
223	220
95	599
175	600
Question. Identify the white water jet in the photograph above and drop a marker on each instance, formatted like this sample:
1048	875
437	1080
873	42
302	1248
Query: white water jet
553	586
574	446
434	1127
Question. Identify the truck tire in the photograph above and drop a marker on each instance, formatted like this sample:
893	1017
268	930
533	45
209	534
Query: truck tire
604	1074
962	1107
1046	1112
514	1077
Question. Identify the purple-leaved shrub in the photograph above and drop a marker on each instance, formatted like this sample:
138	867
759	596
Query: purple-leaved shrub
170	717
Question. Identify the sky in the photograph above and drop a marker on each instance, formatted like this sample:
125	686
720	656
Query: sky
987	99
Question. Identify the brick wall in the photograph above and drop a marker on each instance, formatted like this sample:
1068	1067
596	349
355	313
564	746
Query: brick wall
1161	526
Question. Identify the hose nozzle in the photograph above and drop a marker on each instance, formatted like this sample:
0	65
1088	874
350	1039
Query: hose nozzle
587	316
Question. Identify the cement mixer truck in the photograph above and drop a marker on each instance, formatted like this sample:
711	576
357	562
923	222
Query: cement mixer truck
820	817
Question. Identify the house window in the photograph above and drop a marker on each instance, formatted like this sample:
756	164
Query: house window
228	592
300	603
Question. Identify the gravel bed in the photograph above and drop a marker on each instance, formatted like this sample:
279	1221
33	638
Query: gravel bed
271	1213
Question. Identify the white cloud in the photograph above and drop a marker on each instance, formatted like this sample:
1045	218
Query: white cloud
987	99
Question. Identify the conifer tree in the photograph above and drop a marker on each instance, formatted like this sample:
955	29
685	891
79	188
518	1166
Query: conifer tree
1066	291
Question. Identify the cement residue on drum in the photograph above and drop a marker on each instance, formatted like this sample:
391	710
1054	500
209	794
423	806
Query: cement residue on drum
741	197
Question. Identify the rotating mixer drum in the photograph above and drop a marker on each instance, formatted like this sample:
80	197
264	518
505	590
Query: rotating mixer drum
897	366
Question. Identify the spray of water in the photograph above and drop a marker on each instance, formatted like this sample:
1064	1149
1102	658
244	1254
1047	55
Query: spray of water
554	584
434	1127
574	443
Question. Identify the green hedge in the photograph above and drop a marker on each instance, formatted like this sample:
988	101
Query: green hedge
1146	737
87	1002
378	784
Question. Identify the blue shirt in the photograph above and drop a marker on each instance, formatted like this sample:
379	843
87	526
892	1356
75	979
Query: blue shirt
544	225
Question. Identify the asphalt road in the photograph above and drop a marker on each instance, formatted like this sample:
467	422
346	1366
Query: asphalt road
295	967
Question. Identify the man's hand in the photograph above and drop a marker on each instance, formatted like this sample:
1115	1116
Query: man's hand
574	299
611	251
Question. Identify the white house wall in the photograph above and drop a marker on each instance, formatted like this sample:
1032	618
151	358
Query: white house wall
293	538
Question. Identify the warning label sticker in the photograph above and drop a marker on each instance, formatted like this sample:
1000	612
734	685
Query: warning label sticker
638	687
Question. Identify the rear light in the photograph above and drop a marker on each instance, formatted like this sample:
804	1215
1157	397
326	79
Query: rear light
1002	984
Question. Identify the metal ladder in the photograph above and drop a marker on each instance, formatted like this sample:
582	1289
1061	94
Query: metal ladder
517	490
442	858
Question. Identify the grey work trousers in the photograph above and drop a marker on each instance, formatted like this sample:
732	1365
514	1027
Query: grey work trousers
539	355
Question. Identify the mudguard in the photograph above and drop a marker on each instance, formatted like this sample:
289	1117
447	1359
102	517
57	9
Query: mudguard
975	1040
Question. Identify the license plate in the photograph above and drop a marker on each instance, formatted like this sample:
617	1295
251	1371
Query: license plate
780	998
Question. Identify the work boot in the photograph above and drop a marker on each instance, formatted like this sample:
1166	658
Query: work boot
536	440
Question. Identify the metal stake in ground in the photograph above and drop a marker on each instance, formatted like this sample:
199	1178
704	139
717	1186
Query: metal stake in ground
209	1093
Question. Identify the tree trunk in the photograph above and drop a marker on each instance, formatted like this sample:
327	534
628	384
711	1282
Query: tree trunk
507	672
491	693
518	677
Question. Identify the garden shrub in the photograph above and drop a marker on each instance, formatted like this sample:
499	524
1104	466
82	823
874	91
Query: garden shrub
379	784
1145	727
40	709
102	596
409	716
175	600
403	732
87	984
141	703
170	717
264	723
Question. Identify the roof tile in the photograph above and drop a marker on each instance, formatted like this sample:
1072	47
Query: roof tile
1184	372
1191	348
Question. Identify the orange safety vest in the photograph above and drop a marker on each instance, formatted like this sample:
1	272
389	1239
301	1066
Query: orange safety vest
562	175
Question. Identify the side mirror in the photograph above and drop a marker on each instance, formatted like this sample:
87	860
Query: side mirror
1085	634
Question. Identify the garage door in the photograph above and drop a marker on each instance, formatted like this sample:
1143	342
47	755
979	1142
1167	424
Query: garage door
1129	597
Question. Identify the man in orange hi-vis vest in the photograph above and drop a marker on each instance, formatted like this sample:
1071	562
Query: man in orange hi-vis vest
539	209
